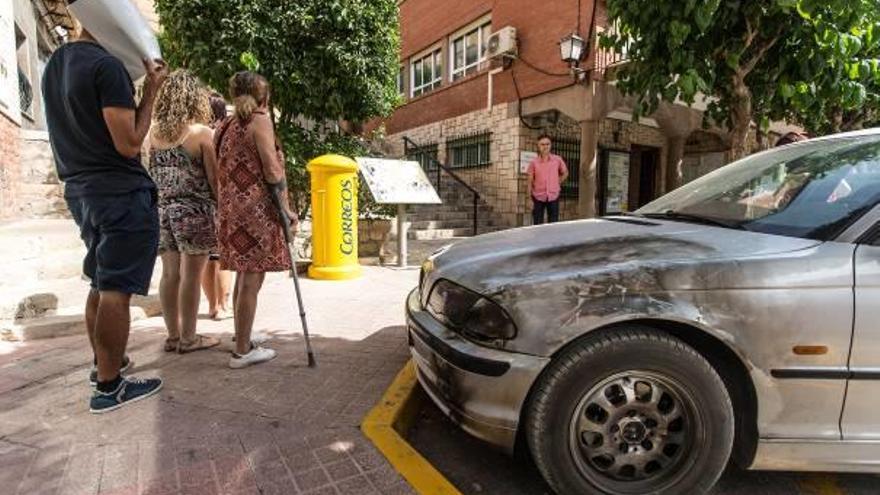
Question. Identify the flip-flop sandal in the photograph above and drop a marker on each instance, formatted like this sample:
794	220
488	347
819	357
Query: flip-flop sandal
171	344
201	342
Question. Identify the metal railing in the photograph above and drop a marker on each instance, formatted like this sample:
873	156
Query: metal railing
425	154
409	144
607	58
570	151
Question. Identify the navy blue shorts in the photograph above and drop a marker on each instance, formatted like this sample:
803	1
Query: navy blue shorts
121	234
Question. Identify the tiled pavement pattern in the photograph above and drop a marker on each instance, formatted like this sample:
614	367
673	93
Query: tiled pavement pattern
277	428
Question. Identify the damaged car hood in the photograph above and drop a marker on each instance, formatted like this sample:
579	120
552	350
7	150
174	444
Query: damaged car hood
526	255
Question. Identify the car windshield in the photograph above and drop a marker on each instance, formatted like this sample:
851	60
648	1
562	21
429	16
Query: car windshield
811	190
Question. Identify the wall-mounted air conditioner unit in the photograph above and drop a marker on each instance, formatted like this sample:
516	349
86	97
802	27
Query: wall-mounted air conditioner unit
502	43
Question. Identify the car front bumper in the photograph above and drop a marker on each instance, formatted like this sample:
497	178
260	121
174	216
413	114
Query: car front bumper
481	389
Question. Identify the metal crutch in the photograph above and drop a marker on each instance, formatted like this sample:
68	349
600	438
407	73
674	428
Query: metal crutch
291	248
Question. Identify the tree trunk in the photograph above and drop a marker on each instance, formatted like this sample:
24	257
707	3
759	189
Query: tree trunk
740	118
837	120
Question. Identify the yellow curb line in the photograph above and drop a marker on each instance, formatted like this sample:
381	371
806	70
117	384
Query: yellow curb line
394	413
820	484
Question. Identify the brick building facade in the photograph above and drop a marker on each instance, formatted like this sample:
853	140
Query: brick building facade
453	92
29	187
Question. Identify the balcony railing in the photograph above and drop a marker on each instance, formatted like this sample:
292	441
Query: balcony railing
607	58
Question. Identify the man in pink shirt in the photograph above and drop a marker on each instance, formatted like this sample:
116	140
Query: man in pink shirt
546	172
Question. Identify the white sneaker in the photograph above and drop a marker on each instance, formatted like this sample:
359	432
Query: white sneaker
257	339
257	355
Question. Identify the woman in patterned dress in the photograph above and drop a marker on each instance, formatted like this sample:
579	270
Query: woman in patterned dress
183	164
249	229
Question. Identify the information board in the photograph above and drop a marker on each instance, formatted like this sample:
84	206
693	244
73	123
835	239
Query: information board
397	181
617	185
525	158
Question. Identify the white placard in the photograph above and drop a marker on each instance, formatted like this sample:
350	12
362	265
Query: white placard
397	182
617	184
526	157
120	28
8	63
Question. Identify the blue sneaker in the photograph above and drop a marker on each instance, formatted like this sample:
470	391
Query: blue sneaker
129	390
126	365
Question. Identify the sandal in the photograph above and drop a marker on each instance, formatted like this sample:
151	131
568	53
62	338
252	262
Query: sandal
201	342
171	344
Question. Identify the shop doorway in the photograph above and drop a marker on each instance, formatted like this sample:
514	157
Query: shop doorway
644	170
628	179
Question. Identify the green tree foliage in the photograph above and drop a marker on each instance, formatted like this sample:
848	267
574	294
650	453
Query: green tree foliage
327	61
830	79
753	59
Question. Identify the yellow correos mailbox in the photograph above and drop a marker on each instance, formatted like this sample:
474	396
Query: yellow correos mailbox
334	218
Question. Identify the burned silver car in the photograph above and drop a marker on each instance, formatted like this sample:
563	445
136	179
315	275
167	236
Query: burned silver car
736	318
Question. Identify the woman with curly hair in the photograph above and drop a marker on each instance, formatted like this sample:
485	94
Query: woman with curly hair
183	163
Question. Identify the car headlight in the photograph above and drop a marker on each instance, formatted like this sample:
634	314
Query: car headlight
469	313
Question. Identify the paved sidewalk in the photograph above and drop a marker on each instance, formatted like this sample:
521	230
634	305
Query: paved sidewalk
277	428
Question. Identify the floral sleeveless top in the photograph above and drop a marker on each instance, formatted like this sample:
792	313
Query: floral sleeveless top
179	177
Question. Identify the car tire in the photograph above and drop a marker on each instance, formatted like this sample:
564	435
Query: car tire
665	425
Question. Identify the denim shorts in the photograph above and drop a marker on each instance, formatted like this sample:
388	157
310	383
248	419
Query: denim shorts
121	234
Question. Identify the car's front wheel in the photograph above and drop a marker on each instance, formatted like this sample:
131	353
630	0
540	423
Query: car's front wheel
630	411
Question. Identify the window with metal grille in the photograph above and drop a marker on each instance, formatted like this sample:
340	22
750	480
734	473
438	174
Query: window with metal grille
570	151
25	93
425	154
468	50
469	151
426	72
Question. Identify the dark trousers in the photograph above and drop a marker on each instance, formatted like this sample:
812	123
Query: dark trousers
551	207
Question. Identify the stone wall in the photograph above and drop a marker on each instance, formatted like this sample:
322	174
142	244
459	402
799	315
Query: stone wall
502	185
10	167
374	238
498	183
42	194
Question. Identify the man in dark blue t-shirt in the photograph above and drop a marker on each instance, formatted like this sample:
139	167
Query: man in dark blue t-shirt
96	131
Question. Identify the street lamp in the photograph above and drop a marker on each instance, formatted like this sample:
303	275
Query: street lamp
572	49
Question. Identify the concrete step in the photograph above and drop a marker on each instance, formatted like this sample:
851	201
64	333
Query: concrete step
57	264
434	234
443	216
428	222
33	238
70	321
450	224
44	328
449	210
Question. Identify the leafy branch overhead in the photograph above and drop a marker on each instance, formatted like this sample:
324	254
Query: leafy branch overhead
332	59
753	59
327	61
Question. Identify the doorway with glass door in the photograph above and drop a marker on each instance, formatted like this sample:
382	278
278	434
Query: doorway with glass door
628	178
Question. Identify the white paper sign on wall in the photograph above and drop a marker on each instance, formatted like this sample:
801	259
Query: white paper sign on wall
526	157
397	181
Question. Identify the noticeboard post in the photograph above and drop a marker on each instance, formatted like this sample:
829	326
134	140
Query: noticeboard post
399	182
